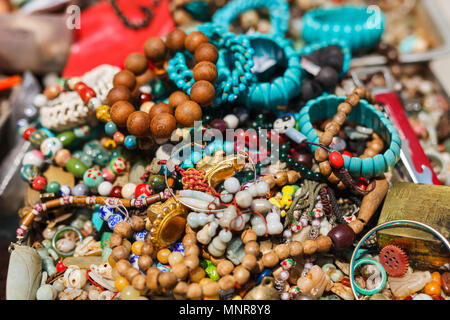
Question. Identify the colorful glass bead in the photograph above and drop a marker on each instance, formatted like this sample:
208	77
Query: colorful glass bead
142	189
102	113
53	186
92	178
82	131
27	133
118	165
110	128
113	220
33	157
118	137
116	192
336	159
106	212
66	137
80	190
65	190
29	172
86	94
62	156
130	142
76	167
39	183
37	137
104	188
102	157
108	175
87	159
50	146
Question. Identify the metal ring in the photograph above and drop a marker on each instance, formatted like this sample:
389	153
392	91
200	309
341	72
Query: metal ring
390	224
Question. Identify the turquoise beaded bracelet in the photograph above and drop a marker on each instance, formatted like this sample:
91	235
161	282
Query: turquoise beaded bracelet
278	91
312	47
365	114
359	27
233	65
278	11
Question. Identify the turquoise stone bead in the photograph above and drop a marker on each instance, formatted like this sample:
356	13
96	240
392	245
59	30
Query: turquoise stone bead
396	150
379	165
53	186
130	142
346	161
92	178
110	128
389	158
66	137
367	167
76	167
355	167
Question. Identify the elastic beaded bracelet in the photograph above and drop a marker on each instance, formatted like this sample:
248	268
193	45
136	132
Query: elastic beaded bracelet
277	92
310	48
278	11
359	27
363	113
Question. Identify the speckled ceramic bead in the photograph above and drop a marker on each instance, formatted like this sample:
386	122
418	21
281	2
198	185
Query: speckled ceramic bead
50	147
92	178
118	165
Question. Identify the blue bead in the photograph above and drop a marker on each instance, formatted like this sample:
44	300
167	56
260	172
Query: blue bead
110	128
130	142
114	220
106	212
265	273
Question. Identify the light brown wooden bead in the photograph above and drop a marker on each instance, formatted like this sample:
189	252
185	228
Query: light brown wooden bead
115	240
181	17
320	155
147	249
325	139
138	123
191	262
158	108
333	178
241	275
167	279
155	50
137	223
122	266
187	113
127	244
211	289
203	93
162	125
324	243
270	259
282	251
180	290
227	282
136	63
270	180
353	99
370	152
123	229
194	39
360	91
205	70
138	282
192	250
339	118
252	247
142	79
118	93
225	267
333	128
357	226
325	168
194	292
206	52
249	262
281	178
345	108
189	239
145	262
175	40
293	176
309	247
295	248
176	98
180	270
341	185
372	200
120	111
131	273
125	78
248	235
151	280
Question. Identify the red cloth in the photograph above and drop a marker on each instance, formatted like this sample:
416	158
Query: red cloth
103	39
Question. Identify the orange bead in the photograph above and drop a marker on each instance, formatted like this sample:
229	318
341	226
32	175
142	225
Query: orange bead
433	288
436	276
163	256
121	283
136	248
197	274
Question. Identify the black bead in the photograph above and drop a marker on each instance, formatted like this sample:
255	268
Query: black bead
328	78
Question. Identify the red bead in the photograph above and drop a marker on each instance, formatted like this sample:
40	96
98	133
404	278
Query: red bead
408	298
342	236
346	153
60	266
142	189
27	133
336	159
346	282
86	94
79	85
438	298
144	97
116	192
362	186
39	183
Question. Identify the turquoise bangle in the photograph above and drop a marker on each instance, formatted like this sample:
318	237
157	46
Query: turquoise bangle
365	114
278	11
56	238
310	48
278	92
359	27
383	276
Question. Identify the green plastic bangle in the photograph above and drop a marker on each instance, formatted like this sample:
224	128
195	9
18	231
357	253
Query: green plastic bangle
383	276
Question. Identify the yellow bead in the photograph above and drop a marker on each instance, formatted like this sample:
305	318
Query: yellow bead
111	261
136	248
109	143
102	113
121	283
129	293
197	274
175	257
163	256
288	190
237	297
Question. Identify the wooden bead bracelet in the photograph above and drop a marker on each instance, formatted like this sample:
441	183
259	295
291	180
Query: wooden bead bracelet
161	120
